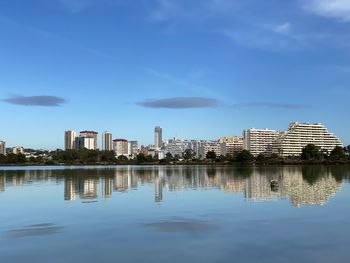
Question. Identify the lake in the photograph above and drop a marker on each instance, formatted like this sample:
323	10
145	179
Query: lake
175	214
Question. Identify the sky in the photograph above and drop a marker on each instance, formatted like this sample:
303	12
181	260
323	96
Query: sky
200	69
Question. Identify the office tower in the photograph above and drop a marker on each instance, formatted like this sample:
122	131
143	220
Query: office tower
158	137
120	146
231	144
298	135
259	140
86	142
70	140
107	141
2	147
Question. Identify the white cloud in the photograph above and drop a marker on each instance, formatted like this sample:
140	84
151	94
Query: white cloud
283	28
339	9
76	6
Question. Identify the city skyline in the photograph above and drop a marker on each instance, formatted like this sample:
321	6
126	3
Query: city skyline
201	69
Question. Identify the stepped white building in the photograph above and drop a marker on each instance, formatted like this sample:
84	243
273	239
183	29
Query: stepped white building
291	142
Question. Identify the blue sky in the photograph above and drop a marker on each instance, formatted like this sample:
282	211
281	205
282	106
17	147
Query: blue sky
199	69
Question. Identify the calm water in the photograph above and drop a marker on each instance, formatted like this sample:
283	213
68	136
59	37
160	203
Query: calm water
174	214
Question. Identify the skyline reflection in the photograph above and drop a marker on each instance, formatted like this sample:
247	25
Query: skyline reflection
302	186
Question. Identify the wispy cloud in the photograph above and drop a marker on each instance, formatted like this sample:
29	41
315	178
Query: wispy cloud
339	9
45	101
180	103
283	28
76	6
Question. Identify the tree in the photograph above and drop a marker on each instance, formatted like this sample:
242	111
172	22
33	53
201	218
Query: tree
244	156
311	152
337	154
188	154
168	157
211	155
260	158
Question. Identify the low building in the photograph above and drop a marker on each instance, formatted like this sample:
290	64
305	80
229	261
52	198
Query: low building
132	149
298	135
231	145
17	150
214	146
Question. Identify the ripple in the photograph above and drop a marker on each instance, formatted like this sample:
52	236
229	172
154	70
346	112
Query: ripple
182	225
36	230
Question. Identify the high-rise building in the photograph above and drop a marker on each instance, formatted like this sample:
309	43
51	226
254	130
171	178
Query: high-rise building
158	137
232	144
298	135
259	140
120	146
70	140
2	147
91	135
107	141
176	147
132	148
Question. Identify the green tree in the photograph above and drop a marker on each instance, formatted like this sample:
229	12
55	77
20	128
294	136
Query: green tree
260	158
244	156
211	155
188	154
311	152
337	154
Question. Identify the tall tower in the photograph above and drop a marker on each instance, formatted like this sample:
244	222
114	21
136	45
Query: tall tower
69	140
107	141
2	147
158	137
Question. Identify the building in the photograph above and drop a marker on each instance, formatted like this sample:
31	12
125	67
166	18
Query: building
86	143
107	141
176	147
132	149
210	146
231	145
120	146
298	135
70	140
143	150
259	140
2	147
158	137
90	135
17	150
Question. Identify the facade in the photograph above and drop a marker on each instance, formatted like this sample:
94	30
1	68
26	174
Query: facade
90	135
158	137
259	140
2	147
143	150
298	135
120	147
176	146
213	146
70	139
132	148
231	144
107	141
86	143
17	150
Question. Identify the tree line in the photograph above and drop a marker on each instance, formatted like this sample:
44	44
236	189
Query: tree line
310	154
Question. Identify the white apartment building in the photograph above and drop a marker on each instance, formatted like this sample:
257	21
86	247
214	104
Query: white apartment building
87	143
120	147
2	147
70	140
17	150
176	146
231	144
213	146
91	135
298	135
259	140
132	148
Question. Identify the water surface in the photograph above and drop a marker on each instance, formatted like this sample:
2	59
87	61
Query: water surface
174	214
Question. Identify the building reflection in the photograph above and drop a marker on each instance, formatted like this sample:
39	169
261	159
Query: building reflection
300	185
